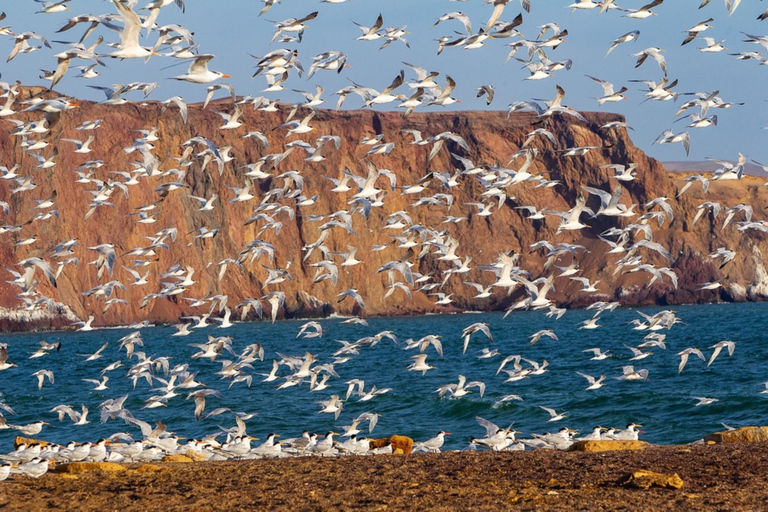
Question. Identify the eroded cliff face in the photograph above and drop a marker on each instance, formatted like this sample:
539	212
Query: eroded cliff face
492	138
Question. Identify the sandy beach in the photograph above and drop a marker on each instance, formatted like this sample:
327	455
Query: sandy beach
715	477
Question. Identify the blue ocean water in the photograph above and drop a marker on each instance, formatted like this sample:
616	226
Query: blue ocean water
663	404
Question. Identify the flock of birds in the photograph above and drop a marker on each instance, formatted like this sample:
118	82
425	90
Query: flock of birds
287	194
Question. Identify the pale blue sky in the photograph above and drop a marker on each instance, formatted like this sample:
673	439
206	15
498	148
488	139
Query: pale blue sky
230	29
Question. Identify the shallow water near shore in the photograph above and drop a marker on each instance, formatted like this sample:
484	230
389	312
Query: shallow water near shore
663	404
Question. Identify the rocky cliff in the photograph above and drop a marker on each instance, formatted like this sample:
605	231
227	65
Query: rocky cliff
491	138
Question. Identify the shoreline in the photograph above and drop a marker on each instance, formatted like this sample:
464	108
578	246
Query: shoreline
719	476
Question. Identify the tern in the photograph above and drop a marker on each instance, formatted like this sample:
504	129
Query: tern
626	38
655	53
598	355
461	389
684	357
325	446
41	376
730	345
628	434
432	445
644	11
468	331
199	73
544	332
553	415
129	36
593	383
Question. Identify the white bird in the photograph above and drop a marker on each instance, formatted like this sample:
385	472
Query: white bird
199	73
684	357
553	415
669	137
129	35
78	418
432	445
655	53
643	12
609	95
588	287
461	388
332	406
544	332
593	383
598	355
468	331
730	345
41	376
420	364
97	354
100	385
626	38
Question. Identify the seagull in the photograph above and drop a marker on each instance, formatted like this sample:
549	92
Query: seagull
129	35
97	354
626	38
45	348
684	357
655	53
598	355
544	332
332	406
609	95
82	147
593	383
487	90
588	287
78	418
553	415
371	33
461	389
352	292
198	72
420	364
668	137
432	445
100	385
694	31
730	345
459	16
629	373
628	434
41	376
644	11
468	331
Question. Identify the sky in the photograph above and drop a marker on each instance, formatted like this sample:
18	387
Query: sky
232	29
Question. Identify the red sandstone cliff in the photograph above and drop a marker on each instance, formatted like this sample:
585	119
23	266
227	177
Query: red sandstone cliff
492	138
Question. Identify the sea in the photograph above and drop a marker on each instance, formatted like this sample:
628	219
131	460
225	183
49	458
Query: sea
664	404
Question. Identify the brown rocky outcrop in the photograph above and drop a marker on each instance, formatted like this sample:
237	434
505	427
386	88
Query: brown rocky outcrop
739	435
607	446
643	479
400	444
492	138
74	468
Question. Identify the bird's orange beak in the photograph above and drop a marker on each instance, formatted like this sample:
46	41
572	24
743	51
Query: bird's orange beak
224	75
